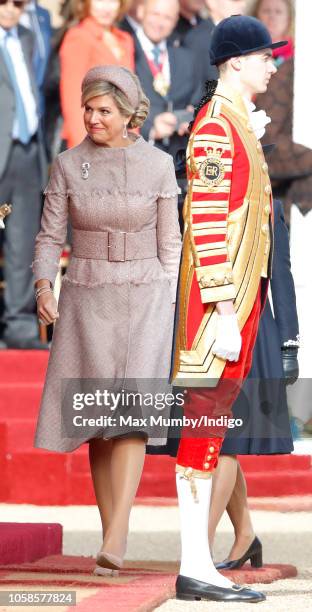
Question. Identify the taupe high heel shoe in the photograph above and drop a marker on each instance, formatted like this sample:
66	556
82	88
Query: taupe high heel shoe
109	561
105	571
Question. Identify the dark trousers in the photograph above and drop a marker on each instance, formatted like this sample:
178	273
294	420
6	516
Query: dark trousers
20	186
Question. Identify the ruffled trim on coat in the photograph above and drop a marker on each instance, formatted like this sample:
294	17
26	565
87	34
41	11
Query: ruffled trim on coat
95	284
44	260
53	192
114	192
292	343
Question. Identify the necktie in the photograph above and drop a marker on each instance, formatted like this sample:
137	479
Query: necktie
156	53
23	130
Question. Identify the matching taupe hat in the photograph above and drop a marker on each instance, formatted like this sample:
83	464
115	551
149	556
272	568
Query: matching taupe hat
118	76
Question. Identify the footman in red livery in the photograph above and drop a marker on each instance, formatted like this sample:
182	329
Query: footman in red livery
226	262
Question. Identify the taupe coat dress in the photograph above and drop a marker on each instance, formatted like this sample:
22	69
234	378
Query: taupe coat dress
115	306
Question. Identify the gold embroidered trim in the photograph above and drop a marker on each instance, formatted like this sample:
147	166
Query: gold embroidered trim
189	473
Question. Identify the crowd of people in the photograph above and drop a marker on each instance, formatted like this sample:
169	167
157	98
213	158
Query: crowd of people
155	66
167	44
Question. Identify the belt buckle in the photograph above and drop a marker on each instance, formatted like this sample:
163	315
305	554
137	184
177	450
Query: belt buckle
114	243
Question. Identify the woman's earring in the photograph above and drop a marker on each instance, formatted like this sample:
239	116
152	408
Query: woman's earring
125	131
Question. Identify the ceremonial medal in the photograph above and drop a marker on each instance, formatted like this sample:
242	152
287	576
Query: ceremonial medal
161	86
5	210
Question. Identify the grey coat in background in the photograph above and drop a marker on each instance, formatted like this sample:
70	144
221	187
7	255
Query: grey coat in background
7	106
116	317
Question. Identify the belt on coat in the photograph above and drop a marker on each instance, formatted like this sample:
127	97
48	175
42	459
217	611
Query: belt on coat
114	246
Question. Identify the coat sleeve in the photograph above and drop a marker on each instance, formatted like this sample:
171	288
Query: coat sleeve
128	44
288	160
210	179
282	284
168	229
52	236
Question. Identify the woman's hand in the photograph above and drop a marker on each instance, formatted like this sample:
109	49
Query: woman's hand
47	308
164	126
183	129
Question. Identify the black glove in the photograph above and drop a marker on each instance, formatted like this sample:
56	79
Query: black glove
290	364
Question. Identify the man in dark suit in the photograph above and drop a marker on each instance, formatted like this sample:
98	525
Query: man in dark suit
198	39
168	77
22	175
37	19
221	9
132	20
189	19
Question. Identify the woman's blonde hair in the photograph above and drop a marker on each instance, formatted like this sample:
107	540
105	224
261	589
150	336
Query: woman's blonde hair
291	15
81	9
104	88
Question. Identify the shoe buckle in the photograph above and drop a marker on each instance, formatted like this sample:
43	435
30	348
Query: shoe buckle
238	587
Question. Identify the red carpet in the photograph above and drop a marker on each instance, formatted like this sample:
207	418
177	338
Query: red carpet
135	590
35	476
67	569
26	542
140	587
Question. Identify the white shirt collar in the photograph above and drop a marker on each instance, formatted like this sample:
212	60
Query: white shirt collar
3	32
134	24
147	44
194	21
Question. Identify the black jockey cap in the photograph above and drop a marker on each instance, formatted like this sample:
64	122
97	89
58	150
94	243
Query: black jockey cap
240	35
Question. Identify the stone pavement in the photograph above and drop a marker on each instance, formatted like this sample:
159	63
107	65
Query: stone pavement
293	595
154	536
154	532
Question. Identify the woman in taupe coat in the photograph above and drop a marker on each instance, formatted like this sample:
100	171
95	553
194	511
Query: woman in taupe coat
114	320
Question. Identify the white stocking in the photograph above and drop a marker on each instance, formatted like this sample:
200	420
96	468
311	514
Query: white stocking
196	561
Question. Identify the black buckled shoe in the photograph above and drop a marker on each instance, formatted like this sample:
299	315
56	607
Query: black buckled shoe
190	589
254	553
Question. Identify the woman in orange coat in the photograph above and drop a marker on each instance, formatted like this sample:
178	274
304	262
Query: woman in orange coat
93	40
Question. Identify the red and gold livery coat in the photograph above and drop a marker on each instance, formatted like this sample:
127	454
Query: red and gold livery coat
227	234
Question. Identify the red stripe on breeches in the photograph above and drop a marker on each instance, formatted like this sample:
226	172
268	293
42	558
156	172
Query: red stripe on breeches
201	453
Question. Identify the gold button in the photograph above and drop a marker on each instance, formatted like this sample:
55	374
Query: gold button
211	449
209	457
249	127
267	189
267	209
265	167
265	229
219	278
206	465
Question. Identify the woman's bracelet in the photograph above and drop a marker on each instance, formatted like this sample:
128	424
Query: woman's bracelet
42	290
